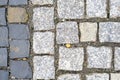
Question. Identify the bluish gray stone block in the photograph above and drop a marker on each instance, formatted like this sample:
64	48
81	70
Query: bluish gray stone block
3	36
3	57
3	2
2	16
19	48
20	69
4	75
19	31
17	2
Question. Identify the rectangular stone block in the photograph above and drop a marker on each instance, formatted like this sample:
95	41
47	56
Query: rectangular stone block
18	2
2	16
43	67
3	57
115	76
109	32
69	77
3	2
4	75
42	2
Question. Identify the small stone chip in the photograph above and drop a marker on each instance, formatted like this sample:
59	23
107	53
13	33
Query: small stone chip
17	15
68	45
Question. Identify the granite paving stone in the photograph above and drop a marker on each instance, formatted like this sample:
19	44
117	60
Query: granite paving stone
19	48
69	77
19	31
18	2
109	32
3	2
2	16
98	76
43	18
43	67
4	75
20	69
67	32
3	36
71	58
3	57
73	9
96	8
43	42
115	76
99	57
41	2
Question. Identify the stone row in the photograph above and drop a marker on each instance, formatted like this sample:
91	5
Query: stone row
74	9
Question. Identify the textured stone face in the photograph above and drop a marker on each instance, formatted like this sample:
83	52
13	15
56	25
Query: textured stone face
70	9
43	18
3	36
19	31
2	16
67	32
69	77
3	2
17	2
71	58
4	75
115	76
117	58
88	31
42	2
96	8
114	8
98	76
3	56
17	15
99	57
20	69
43	67
19	48
43	43
109	32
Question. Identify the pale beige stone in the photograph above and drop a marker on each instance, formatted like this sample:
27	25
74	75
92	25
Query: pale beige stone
88	31
17	15
115	76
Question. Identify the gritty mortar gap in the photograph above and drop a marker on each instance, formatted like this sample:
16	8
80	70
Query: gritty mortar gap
85	8
113	56
97	36
108	8
79	33
46	5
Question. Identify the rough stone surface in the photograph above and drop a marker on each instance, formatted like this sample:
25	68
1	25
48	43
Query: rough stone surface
3	2
19	31
88	31
67	32
43	42
96	8
99	57
3	57
4	75
114	8
2	16
43	18
69	77
3	36
115	76
117	58
71	58
98	76
17	2
109	32
20	69
17	15
43	67
42	2
70	9
19	48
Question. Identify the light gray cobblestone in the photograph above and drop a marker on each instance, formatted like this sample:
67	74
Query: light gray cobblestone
69	77
42	2
115	76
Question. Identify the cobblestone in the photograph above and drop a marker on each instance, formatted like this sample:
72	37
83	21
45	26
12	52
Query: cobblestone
43	18
88	31
115	76
19	48
99	57
70	9
42	2
18	2
3	57
67	32
96	8
43	67
20	69
3	2
69	77
4	75
19	31
71	58
43	43
2	16
98	76
109	32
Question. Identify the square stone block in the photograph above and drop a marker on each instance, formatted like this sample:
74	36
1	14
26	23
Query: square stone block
3	57
115	76
4	75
